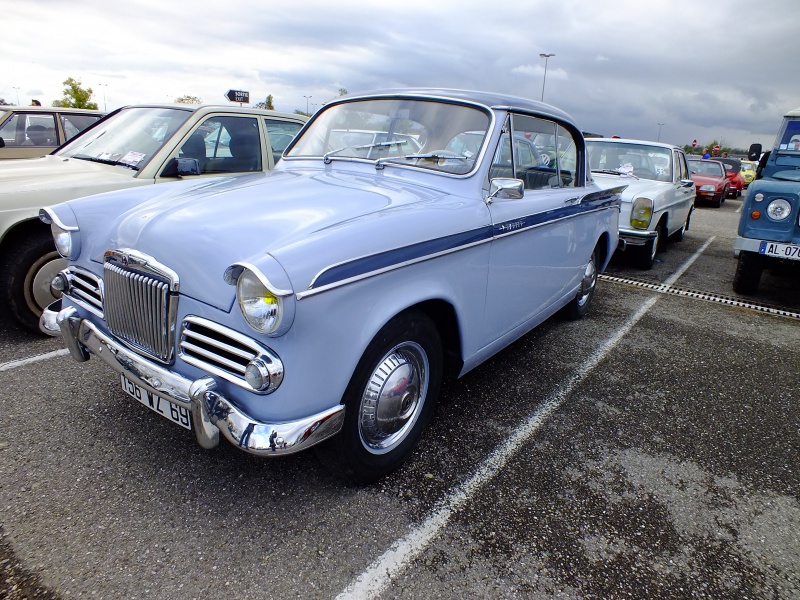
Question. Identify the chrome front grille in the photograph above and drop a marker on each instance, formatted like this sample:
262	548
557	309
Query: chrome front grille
140	303
86	289
225	352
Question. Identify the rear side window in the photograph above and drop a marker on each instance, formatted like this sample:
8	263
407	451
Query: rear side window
280	134
74	124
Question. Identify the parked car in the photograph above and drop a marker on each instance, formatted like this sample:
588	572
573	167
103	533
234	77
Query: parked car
131	147
748	171
769	226
327	300
30	131
710	179
659	198
733	167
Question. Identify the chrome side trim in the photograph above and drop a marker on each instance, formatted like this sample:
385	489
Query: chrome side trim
210	410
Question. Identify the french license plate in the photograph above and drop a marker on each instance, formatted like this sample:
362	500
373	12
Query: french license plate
169	410
780	250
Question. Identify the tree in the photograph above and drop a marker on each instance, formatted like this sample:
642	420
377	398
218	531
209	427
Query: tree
267	104
342	92
3	102
75	96
188	100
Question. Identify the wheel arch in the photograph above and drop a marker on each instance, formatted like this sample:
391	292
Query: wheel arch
22	229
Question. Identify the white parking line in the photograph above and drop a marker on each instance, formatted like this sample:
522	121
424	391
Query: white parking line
13	364
377	576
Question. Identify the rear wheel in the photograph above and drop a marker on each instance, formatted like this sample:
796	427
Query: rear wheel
389	400
579	305
748	273
27	269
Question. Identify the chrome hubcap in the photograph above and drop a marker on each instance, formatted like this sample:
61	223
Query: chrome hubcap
38	292
587	283
393	398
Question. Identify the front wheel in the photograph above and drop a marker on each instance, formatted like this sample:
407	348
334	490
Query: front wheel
27	269
646	256
389	400
748	273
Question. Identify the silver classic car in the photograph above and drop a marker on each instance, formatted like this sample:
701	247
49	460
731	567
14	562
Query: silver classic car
658	201
327	300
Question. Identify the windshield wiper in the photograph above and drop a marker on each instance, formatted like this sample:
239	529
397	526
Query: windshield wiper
614	172
326	158
432	155
106	161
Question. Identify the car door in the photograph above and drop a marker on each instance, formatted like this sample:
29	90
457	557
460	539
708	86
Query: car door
538	252
683	194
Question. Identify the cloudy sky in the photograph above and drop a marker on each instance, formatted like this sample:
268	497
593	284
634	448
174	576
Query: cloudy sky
677	70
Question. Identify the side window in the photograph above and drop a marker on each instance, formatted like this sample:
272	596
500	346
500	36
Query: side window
36	130
225	145
567	162
74	124
531	159
280	134
13	131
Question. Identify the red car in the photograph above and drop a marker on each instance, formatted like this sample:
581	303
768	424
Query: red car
710	180
733	168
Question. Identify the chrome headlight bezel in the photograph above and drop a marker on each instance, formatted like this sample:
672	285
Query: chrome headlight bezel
641	212
266	308
779	209
67	241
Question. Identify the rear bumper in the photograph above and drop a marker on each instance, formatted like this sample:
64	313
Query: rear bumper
212	413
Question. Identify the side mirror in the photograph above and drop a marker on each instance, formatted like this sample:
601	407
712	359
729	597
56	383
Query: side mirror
754	152
510	188
180	167
2	143
687	183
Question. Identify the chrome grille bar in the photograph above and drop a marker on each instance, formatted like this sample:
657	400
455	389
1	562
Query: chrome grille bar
140	303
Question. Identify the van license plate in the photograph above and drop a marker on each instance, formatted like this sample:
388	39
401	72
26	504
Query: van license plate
169	410
780	250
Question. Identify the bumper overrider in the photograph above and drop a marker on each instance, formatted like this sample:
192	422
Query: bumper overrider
211	412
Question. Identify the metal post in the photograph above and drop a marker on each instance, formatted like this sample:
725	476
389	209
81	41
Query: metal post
544	79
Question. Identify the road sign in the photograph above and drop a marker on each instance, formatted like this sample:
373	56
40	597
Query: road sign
238	96
694	143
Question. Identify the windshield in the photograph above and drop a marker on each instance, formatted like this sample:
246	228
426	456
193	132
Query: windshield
705	167
641	160
128	138
422	133
788	141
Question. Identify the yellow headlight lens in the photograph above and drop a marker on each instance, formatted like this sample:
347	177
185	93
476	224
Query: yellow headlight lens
262	309
641	213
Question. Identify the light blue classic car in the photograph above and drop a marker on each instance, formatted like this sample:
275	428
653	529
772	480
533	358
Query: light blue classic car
326	301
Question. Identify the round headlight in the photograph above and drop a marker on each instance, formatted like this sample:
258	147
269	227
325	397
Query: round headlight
641	212
779	209
67	242
262	309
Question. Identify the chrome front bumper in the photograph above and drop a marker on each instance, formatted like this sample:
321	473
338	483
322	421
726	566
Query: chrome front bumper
211	412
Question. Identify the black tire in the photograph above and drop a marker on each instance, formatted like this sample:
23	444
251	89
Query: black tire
579	305
26	270
748	273
646	255
386	414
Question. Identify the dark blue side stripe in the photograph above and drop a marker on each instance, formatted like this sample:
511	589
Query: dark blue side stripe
376	262
400	255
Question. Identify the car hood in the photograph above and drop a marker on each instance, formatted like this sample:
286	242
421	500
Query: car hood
636	187
707	179
200	229
51	179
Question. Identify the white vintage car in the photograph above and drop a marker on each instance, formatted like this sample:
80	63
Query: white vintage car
131	147
658	201
327	300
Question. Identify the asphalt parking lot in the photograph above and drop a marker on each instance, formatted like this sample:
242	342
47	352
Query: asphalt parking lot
648	451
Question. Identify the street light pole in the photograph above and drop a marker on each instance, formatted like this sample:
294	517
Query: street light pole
660	125
306	97
545	57
16	88
104	86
